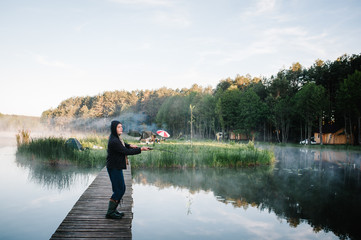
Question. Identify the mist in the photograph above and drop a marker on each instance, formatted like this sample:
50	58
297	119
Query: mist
64	127
131	122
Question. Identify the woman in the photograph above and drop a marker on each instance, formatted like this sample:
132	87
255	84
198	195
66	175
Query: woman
116	162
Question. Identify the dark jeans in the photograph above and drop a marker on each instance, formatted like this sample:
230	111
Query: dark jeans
118	184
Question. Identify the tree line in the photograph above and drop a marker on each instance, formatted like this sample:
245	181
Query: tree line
286	107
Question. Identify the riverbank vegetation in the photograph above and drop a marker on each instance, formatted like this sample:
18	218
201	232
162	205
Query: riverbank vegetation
57	151
170	154
202	154
289	106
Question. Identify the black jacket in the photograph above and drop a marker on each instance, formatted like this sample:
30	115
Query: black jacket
116	150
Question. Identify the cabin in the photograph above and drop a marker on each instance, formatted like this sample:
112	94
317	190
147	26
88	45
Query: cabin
240	136
331	135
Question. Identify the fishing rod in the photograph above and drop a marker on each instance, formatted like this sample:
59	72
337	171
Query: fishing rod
162	150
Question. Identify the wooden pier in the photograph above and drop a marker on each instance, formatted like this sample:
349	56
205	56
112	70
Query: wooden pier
86	220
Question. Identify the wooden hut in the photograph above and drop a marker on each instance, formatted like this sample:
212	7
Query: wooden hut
239	136
331	135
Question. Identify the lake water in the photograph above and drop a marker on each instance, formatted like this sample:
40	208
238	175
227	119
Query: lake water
35	198
307	194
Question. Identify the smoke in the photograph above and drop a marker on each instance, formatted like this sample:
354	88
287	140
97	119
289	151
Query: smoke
131	122
70	127
136	122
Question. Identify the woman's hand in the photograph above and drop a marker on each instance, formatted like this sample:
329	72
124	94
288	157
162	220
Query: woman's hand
144	149
133	146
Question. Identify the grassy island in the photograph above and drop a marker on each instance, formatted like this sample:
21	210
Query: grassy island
57	151
164	155
203	154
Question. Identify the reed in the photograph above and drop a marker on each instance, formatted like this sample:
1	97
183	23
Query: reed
165	155
202	154
23	137
94	142
56	150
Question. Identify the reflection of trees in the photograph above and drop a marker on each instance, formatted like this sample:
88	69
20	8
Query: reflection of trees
56	174
299	188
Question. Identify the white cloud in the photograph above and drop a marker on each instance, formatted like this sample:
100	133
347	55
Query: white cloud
296	37
293	31
173	19
144	2
144	46
52	63
260	7
265	6
80	27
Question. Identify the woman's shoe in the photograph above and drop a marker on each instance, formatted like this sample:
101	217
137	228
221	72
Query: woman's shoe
112	213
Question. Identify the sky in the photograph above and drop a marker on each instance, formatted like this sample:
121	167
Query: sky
51	50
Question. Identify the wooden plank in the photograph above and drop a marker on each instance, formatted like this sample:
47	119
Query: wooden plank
86	220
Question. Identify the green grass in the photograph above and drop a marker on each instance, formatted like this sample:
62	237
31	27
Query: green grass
202	154
91	141
55	150
167	154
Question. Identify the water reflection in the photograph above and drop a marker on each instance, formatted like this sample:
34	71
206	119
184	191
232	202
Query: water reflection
36	196
319	188
54	175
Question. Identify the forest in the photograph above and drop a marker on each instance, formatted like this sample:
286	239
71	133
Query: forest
289	106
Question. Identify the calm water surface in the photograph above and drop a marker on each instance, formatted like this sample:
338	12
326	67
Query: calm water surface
35	198
307	194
